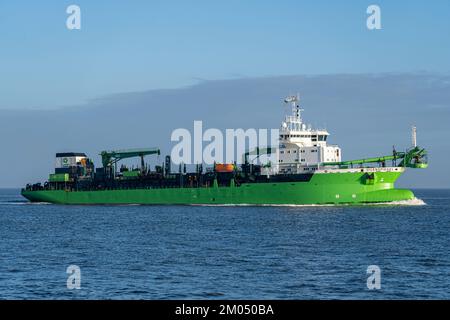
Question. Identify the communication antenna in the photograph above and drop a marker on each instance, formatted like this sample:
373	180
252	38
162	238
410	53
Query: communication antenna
414	136
296	110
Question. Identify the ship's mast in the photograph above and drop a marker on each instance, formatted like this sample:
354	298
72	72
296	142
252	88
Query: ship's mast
294	122
414	136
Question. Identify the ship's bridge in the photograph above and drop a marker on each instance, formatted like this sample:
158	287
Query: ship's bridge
305	138
303	148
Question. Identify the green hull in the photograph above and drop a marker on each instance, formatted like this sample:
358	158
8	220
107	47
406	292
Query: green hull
323	188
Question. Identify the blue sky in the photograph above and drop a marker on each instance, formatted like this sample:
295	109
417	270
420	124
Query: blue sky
127	46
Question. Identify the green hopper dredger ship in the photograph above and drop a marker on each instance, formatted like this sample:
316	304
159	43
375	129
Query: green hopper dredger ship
307	171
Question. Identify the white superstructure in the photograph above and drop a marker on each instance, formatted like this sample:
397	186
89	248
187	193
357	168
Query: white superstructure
302	149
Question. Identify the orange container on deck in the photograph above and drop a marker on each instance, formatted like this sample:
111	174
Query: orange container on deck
225	167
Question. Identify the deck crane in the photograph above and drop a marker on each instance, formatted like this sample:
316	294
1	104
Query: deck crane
257	152
110	158
415	157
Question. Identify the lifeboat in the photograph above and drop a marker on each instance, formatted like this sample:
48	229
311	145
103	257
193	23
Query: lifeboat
224	167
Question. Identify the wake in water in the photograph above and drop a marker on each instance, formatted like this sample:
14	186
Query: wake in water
20	203
412	202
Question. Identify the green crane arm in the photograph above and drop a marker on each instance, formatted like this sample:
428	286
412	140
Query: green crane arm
258	152
111	157
361	161
413	158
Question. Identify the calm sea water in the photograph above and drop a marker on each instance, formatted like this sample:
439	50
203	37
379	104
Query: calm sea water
195	252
